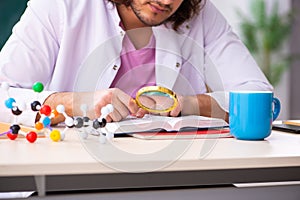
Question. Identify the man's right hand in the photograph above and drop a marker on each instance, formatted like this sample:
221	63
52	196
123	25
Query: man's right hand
123	104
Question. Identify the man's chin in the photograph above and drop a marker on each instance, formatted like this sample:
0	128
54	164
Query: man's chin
152	23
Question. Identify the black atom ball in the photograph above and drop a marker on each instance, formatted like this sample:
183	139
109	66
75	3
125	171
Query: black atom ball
86	121
16	111
78	122
103	122
15	129
35	106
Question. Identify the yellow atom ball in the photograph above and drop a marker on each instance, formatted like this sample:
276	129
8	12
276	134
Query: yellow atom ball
55	135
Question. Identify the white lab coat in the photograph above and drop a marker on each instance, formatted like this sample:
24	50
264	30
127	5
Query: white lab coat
74	45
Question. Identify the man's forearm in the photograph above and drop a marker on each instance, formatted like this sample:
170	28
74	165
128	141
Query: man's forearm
203	105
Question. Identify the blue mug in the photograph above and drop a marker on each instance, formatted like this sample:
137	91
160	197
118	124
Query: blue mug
251	114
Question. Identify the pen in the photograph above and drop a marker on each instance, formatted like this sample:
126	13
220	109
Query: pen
292	122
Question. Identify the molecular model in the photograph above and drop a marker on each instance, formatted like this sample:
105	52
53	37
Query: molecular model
100	123
45	112
84	125
17	109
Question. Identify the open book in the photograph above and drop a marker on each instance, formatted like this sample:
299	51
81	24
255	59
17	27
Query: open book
210	133
154	124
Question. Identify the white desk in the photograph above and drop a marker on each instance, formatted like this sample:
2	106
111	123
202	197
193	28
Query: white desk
76	164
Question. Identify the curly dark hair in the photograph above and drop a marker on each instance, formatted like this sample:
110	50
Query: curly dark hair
185	12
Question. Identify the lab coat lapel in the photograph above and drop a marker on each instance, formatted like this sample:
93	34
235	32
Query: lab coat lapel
101	67
168	56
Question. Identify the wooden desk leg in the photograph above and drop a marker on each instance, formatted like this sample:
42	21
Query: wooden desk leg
40	182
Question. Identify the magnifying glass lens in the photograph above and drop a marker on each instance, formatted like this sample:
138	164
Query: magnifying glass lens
156	99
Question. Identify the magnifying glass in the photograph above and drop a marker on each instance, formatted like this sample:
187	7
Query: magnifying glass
156	99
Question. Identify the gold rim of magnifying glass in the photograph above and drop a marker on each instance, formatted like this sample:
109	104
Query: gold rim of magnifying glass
156	89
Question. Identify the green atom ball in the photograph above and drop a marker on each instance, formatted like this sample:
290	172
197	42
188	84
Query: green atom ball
38	87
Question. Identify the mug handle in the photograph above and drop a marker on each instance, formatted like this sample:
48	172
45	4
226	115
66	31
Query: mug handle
277	108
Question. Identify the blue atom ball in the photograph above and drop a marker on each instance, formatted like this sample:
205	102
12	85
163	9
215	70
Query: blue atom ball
9	103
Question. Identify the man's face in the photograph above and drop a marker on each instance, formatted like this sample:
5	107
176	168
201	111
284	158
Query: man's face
154	12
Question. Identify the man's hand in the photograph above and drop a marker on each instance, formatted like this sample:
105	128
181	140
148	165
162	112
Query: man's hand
200	104
123	104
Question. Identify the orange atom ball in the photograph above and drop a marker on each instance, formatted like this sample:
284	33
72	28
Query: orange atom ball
39	126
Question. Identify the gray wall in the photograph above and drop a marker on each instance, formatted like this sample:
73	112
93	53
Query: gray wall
295	68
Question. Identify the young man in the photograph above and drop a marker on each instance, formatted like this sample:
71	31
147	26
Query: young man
98	52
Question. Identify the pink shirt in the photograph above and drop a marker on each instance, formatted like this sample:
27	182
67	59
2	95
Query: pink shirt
137	67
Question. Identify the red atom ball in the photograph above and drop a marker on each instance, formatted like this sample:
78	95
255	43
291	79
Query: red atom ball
45	110
31	136
12	136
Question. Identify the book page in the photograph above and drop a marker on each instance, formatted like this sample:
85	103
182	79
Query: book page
133	124
156	123
198	122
